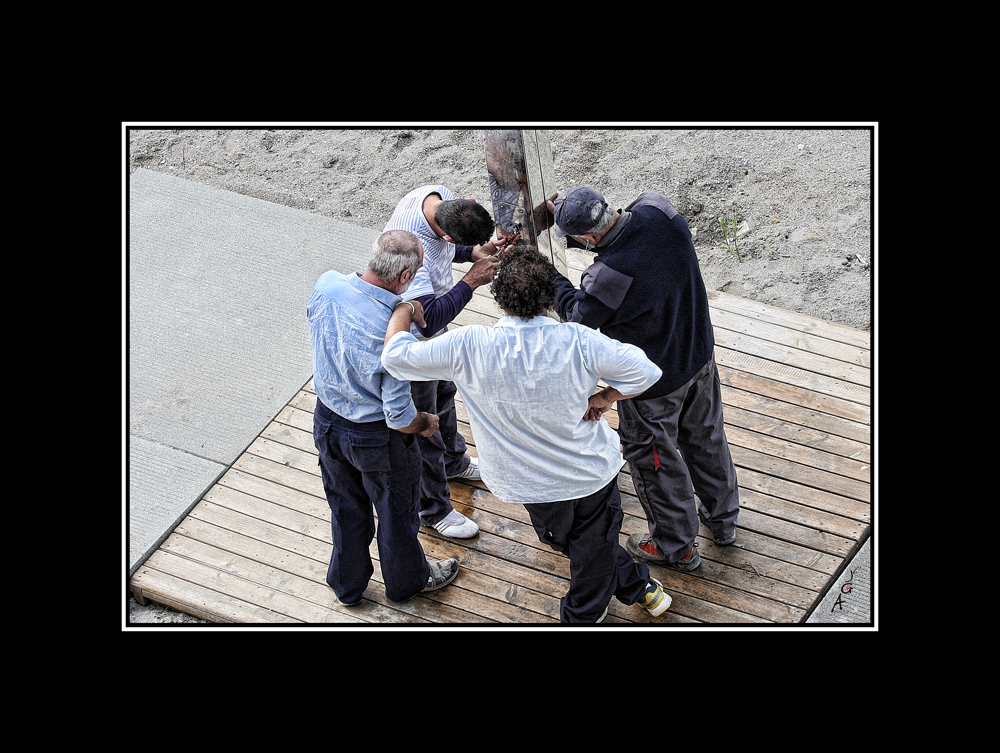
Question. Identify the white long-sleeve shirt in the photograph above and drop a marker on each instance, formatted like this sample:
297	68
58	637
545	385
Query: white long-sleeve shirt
526	387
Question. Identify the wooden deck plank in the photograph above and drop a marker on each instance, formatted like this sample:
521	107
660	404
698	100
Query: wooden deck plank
809	352
841	417
797	393
309	572
151	584
803	323
307	554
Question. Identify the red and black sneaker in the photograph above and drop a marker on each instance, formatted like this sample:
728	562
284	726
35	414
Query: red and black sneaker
691	560
642	547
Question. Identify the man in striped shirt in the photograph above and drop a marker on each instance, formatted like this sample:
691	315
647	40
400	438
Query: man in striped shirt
450	230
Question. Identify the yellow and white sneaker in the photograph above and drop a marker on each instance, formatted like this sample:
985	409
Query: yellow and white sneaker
656	601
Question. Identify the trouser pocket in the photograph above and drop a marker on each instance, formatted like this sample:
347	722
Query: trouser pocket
638	448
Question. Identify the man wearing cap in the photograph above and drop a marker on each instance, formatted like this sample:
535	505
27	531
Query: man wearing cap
645	288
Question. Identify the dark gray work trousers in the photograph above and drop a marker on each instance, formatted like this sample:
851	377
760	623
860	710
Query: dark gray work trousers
676	447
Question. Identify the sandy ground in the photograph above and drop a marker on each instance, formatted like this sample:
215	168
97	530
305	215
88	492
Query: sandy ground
801	197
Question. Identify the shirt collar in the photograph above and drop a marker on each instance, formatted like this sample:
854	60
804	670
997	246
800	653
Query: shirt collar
610	236
381	295
516	321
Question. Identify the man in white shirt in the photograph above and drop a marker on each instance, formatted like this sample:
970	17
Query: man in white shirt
528	386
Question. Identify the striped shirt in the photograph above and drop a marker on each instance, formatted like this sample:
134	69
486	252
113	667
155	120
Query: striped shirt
436	275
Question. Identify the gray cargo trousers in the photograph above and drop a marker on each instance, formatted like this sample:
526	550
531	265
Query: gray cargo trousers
676	447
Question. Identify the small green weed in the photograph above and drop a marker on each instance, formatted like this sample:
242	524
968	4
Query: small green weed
729	225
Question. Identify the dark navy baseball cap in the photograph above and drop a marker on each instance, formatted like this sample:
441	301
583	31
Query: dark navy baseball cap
577	210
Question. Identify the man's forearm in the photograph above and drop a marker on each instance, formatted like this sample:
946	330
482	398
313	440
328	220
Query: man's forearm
613	396
402	317
440	312
601	402
424	424
566	298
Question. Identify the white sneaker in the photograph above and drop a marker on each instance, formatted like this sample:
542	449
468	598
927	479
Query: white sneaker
471	473
457	526
655	599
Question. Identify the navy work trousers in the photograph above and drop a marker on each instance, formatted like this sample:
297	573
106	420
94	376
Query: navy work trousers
587	530
442	453
369	468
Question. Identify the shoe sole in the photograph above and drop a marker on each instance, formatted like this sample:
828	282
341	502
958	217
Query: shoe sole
460	477
459	532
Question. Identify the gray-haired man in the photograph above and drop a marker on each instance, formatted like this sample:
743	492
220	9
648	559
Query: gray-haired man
365	428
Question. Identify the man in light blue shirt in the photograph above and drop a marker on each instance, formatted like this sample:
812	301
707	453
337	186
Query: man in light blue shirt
365	428
528	386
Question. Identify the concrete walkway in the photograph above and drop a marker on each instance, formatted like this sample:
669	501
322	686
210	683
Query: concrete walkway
218	337
849	599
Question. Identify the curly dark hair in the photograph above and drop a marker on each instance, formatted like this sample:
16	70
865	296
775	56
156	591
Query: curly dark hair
525	283
467	222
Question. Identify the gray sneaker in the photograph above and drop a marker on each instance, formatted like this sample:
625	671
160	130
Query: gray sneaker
642	547
724	539
443	572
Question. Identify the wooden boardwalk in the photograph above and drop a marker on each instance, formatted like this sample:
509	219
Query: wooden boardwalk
797	404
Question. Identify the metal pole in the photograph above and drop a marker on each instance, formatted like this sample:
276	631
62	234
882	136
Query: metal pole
522	177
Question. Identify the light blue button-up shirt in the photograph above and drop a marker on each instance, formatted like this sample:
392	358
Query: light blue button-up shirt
348	318
526	387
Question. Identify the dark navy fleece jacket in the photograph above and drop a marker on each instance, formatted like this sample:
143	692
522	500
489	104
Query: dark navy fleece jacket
645	288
